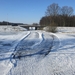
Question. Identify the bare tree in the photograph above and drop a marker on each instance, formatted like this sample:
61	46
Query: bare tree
53	10
67	11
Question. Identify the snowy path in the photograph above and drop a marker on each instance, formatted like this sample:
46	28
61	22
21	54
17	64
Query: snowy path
35	43
57	62
35	46
24	42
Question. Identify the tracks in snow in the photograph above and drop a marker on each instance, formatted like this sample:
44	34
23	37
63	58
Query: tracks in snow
27	44
35	43
41	39
32	43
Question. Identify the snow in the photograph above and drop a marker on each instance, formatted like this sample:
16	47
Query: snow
42	53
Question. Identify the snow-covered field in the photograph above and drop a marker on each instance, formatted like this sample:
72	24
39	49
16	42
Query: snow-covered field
37	52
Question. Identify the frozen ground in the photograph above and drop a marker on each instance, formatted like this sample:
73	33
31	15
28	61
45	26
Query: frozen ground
37	52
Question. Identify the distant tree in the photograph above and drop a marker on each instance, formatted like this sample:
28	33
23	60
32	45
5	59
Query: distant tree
35	24
68	11
53	10
56	16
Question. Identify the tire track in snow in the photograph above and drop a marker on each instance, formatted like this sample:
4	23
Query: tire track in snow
14	62
9	62
52	43
41	39
15	46
46	44
56	42
41	47
29	43
22	39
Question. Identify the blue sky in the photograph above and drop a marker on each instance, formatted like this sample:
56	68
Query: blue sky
28	11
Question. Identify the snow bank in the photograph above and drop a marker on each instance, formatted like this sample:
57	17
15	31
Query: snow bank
66	29
11	29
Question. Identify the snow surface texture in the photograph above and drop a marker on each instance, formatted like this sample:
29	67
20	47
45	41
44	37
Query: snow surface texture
37	52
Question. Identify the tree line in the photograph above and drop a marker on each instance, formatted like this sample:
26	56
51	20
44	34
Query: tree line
9	23
57	16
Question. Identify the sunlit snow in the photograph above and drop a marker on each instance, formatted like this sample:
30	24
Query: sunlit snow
37	52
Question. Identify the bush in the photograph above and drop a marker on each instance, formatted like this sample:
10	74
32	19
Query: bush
51	28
